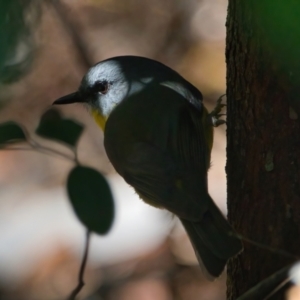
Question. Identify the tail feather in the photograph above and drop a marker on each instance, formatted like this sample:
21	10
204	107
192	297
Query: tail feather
211	265
213	240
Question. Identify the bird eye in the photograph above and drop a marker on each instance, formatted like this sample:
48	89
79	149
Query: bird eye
101	87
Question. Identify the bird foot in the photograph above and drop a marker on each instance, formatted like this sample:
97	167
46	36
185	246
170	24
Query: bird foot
215	115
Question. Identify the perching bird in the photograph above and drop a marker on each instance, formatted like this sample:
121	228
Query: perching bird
158	136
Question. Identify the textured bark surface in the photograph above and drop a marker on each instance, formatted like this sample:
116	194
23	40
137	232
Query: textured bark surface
263	167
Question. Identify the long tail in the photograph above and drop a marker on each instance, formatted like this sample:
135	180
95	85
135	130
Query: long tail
212	240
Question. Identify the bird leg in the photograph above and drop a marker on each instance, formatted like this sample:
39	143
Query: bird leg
215	115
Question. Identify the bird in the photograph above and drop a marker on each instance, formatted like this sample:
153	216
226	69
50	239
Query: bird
158	136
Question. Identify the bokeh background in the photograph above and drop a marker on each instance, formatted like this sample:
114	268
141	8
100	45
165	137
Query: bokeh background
45	49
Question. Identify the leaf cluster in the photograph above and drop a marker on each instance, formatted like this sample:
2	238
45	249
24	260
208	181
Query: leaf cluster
88	190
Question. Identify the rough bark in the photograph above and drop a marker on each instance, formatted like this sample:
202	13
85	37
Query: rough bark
263	167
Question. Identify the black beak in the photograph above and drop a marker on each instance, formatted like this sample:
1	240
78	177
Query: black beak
71	98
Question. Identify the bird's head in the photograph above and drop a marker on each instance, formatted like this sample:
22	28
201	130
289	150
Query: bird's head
102	88
111	81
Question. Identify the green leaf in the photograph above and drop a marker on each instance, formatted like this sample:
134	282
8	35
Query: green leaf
11	132
52	126
91	199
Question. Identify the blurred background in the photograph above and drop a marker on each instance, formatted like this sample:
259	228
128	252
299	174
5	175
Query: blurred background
45	49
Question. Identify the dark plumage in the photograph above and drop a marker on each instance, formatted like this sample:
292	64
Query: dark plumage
158	136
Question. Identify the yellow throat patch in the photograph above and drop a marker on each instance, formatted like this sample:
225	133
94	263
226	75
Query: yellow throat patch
100	120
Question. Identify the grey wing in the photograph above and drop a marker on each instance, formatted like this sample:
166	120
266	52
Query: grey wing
189	144
162	183
190	139
170	169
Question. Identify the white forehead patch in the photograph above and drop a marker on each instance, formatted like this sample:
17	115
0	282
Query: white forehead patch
118	86
107	70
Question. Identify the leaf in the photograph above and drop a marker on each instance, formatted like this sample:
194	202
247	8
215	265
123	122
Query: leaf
91	199
52	126
11	132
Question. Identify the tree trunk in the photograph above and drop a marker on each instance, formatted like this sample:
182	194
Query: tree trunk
263	167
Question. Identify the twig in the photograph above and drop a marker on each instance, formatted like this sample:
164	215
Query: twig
272	283
44	150
279	287
76	156
38	147
82	268
262	246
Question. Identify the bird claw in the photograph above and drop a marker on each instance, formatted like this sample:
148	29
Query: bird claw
215	115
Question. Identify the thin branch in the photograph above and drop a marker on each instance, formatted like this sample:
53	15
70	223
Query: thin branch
272	283
38	147
279	287
266	247
76	156
9	148
41	149
82	268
